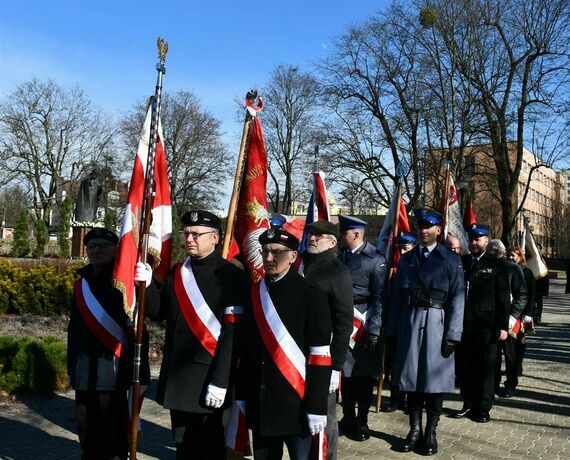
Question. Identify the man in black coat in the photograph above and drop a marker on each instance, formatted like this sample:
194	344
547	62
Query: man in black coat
518	298
99	353
485	321
322	268
368	270
201	301
285	370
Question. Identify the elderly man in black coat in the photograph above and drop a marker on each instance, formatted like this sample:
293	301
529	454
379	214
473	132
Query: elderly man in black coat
322	268
285	368
202	300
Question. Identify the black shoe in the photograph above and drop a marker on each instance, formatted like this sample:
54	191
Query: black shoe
429	444
506	393
413	438
481	417
360	433
345	426
464	412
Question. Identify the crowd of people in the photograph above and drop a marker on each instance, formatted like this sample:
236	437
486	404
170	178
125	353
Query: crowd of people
314	328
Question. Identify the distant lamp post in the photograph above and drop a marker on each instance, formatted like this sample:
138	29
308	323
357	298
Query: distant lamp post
463	187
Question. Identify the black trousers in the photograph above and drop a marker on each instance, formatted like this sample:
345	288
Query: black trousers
509	349
356	390
198	436
102	424
539	307
477	376
271	447
433	402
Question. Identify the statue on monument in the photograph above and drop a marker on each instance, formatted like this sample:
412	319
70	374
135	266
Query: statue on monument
88	198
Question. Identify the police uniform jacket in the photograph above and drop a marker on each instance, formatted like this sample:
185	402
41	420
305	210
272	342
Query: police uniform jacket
518	288
187	367
426	308
487	303
368	270
91	365
333	277
273	407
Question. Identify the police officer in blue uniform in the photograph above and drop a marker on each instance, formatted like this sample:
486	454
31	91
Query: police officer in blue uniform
368	271
426	316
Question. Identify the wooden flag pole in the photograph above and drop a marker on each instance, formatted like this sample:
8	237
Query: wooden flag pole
251	96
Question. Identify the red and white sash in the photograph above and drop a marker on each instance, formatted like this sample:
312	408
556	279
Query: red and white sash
103	325
284	351
198	315
358	331
237	433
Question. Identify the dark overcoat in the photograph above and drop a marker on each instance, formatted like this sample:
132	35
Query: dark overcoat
273	407
90	365
419	331
187	367
368	270
333	277
518	288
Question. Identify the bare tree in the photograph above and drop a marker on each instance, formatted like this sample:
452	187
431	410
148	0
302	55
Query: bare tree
289	121
48	133
515	58
198	160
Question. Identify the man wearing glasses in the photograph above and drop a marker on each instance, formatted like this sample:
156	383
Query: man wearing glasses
286	366
201	301
324	269
99	353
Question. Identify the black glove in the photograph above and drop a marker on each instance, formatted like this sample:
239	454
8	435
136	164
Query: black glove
447	348
372	341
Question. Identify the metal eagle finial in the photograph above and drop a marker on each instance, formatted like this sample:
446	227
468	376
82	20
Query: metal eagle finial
162	48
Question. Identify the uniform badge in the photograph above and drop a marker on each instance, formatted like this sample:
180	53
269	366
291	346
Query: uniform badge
194	216
271	233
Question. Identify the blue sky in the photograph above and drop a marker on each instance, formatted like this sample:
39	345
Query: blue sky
218	49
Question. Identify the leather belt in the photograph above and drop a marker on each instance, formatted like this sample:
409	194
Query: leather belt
423	303
360	300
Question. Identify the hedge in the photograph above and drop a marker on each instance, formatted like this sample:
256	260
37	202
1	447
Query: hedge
35	366
39	290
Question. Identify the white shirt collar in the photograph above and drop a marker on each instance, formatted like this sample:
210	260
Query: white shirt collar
430	248
358	247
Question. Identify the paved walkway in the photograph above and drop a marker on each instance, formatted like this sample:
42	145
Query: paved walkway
534	424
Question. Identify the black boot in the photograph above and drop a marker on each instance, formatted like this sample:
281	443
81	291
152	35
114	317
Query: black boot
415	432
429	445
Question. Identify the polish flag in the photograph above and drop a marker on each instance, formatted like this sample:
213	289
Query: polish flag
160	235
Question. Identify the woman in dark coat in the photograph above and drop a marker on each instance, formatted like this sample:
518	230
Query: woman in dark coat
516	255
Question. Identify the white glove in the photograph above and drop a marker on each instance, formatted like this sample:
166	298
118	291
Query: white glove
527	319
215	396
143	273
317	423
335	380
512	321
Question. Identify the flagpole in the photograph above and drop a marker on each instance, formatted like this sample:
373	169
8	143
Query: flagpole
391	248
445	197
148	200
251	96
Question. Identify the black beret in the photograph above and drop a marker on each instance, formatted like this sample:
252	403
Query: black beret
279	236
323	227
101	234
203	218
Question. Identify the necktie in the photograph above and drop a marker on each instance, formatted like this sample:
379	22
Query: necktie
425	254
474	263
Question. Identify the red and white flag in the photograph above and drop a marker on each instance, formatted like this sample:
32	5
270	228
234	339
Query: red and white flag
534	260
318	208
252	215
454	219
468	214
386	243
160	238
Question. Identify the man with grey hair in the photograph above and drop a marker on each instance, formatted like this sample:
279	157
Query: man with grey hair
518	301
453	244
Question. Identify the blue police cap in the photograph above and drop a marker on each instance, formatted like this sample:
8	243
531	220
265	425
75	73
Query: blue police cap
350	222
406	238
279	236
277	219
477	230
427	216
